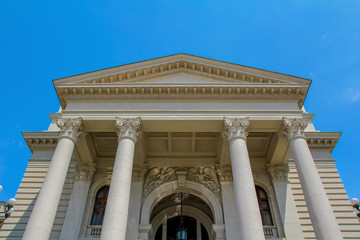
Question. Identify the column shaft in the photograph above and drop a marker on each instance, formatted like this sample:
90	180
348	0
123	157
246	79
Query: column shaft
250	224
321	213
43	215
116	213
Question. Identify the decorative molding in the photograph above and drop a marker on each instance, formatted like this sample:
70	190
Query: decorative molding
293	128
279	172
156	177
236	128
138	174
224	79
225	174
206	176
128	128
109	175
84	172
218	73
69	128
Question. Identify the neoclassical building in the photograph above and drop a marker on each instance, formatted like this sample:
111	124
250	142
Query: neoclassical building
143	150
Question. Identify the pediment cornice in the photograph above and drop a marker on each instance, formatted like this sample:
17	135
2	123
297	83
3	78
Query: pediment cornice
219	80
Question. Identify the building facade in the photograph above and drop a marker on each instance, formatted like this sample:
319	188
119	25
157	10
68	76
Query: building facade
225	150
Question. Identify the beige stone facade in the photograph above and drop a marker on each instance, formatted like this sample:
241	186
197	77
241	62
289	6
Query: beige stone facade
233	141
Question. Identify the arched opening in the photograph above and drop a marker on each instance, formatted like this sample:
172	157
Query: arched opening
196	214
100	206
264	206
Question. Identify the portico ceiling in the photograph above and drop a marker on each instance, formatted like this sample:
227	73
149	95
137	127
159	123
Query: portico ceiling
180	148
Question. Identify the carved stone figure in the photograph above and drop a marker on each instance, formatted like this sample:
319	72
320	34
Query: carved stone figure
156	177
206	176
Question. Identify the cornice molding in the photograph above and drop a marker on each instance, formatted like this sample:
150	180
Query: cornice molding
225	72
136	81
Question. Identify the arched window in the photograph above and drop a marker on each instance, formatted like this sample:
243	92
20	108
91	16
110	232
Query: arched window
99	206
264	206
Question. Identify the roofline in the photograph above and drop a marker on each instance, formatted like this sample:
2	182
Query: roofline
185	54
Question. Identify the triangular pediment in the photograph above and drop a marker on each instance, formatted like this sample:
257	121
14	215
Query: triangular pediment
181	69
181	75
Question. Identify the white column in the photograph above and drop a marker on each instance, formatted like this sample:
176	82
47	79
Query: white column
250	223
198	229
285	199
321	213
43	214
117	207
75	210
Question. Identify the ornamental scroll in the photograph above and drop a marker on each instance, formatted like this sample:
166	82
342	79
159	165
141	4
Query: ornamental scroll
206	176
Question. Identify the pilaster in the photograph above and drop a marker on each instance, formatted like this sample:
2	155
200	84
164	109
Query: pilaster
285	200
75	211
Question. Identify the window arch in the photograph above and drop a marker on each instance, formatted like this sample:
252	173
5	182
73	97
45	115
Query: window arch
264	206
100	206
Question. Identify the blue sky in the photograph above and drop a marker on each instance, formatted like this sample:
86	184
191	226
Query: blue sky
44	40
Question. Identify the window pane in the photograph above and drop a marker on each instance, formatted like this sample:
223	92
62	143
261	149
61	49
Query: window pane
95	218
100	193
267	218
99	206
264	204
262	194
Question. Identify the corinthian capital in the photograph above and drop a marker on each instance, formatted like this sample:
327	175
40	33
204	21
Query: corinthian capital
69	128
294	127
128	128
278	172
84	172
236	128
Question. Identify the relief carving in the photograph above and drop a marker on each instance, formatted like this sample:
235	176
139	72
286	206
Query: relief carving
206	176
84	172
156	177
278	172
225	175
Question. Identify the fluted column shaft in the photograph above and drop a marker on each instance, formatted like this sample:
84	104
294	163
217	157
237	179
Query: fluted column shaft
321	213
116	213
43	214
250	223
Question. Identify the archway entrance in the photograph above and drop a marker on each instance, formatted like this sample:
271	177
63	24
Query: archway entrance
196	214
